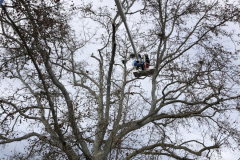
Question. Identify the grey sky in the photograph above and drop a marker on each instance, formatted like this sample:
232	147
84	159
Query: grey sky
18	146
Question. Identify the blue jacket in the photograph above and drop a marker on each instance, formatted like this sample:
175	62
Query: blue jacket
135	62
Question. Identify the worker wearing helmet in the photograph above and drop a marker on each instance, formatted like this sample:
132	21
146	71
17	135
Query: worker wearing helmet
147	61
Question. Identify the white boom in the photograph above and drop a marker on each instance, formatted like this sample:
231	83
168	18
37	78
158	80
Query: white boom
120	10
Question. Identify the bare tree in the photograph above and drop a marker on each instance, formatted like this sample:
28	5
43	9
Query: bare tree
69	107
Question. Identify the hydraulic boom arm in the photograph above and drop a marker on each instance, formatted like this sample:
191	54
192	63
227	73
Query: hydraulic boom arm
120	10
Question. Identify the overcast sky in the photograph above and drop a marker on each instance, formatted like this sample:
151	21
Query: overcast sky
18	146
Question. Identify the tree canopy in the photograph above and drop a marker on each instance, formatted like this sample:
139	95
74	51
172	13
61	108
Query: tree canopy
67	94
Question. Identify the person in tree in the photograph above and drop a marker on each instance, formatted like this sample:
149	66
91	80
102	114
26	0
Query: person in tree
139	63
147	61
